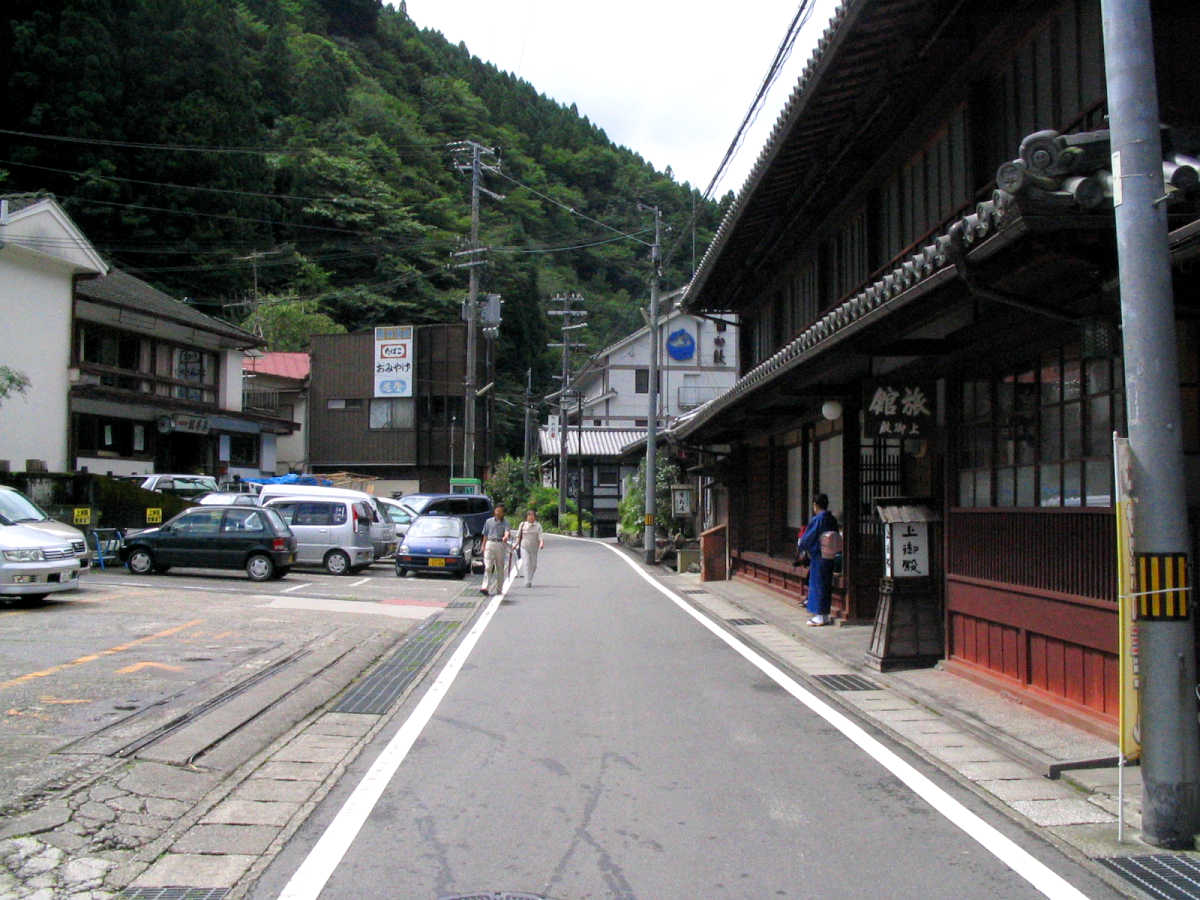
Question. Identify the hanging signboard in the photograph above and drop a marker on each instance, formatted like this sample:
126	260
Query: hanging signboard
1129	710
394	361
899	408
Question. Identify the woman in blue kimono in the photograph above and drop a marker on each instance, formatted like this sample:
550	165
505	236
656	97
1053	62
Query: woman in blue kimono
820	571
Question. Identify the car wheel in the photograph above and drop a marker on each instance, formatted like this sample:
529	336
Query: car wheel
401	571
337	563
259	567
140	562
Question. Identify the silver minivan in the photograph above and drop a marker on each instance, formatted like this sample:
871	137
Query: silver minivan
334	532
383	531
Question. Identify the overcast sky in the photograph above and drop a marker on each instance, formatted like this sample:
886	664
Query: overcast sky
669	80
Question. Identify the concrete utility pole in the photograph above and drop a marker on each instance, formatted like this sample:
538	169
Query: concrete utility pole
527	449
652	390
475	261
1170	754
568	325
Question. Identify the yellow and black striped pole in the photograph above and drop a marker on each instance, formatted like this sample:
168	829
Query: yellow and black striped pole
1162	588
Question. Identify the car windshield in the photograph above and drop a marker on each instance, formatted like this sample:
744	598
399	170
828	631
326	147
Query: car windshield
195	483
18	508
435	527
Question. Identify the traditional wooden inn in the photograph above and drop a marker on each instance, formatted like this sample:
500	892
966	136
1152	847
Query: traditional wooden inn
923	263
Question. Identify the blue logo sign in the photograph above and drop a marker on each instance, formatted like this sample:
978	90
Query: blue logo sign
395	386
681	345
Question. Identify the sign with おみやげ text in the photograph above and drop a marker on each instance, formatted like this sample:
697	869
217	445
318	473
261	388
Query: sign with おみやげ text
899	409
394	361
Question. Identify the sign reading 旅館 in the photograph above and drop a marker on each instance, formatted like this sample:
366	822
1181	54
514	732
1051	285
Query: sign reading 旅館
899	409
394	361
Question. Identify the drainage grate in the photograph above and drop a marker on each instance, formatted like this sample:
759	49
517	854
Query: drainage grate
744	621
1161	875
461	604
173	893
495	895
847	683
375	693
692	591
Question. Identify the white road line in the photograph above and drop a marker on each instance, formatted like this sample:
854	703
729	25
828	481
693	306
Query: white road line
1038	874
309	880
296	587
360	581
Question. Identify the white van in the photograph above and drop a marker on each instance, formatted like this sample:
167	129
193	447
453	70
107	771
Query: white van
383	531
333	532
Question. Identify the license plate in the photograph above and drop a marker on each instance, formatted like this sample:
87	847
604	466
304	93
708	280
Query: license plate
437	562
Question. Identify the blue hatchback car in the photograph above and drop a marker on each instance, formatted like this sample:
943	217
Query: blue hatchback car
436	543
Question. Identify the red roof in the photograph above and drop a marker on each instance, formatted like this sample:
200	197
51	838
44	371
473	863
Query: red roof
285	365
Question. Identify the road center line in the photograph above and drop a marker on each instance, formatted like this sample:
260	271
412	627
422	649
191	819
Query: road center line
296	587
92	657
309	880
360	581
1038	874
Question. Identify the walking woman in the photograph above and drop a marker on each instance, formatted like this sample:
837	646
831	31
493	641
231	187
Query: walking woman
529	542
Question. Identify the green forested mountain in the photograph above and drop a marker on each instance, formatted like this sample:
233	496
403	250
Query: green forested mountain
296	151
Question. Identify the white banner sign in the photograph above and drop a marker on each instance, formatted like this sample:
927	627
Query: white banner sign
395	361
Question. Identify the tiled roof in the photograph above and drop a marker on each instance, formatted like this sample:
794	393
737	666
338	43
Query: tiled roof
596	441
1054	173
284	365
122	289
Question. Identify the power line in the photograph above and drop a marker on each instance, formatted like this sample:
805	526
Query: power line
572	210
201	148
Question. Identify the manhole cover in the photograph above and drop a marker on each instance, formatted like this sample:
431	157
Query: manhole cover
744	621
847	683
1159	875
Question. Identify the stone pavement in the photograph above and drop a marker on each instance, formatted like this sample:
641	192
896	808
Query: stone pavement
1002	750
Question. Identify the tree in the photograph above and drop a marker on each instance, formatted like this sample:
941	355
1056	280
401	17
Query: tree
12	382
632	507
289	324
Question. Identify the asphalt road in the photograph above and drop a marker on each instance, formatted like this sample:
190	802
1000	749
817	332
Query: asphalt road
598	741
93	669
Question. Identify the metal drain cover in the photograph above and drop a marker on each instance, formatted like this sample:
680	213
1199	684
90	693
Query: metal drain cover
495	895
376	693
744	621
847	683
1159	875
692	591
173	893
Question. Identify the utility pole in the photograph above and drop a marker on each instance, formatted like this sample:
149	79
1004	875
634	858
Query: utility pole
568	325
1170	755
579	465
527	450
474	252
652	391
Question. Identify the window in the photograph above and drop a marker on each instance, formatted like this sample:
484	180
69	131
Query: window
312	513
200	523
344	403
243	520
243	450
641	381
392	413
607	474
1042	435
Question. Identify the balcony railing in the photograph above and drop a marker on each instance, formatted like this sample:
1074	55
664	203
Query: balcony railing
261	400
692	396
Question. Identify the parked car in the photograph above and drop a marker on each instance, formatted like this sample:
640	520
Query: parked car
400	515
333	532
186	486
473	509
20	510
436	543
383	532
215	537
34	563
226	498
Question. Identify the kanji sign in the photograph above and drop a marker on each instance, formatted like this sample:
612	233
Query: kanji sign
394	361
906	409
906	550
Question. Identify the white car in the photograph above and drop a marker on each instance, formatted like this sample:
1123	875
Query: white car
20	510
34	563
400	514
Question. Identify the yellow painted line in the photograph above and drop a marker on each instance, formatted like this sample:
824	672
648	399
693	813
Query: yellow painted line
92	657
55	701
138	666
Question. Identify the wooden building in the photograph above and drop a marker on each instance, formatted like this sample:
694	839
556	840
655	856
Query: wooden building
923	262
405	442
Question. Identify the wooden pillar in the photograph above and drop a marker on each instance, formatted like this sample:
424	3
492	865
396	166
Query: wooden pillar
852	505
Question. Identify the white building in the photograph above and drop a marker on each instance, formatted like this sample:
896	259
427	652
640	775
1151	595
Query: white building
698	361
123	378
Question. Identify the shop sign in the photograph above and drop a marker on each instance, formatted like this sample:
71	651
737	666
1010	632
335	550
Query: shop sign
906	550
905	409
393	361
681	346
683	502
183	422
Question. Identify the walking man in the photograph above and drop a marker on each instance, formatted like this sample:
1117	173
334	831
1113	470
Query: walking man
495	547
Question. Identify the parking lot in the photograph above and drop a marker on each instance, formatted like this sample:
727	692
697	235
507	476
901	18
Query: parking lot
88	669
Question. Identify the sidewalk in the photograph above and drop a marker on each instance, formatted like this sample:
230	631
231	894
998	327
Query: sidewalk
991	743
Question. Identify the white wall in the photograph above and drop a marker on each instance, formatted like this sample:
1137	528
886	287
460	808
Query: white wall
35	307
290	448
230	376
